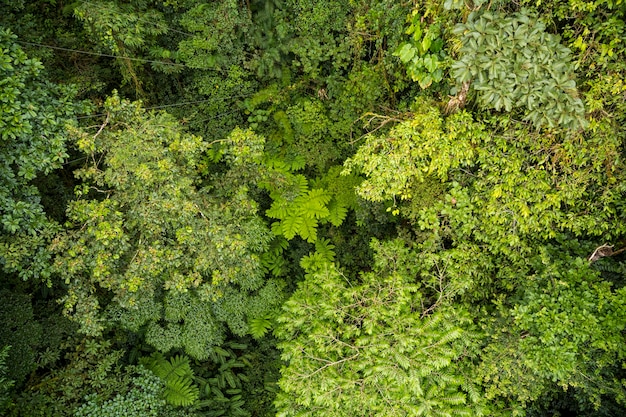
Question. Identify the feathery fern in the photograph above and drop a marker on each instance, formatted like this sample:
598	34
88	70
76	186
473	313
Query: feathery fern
177	375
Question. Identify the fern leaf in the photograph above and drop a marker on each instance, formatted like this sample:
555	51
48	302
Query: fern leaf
298	163
278	210
277	229
259	326
273	262
303	184
325	249
315	204
179	365
308	229
455	399
337	212
292	225
177	376
179	391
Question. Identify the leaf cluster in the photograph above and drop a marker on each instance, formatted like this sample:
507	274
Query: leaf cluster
513	62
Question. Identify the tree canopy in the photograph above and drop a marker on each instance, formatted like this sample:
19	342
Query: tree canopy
312	208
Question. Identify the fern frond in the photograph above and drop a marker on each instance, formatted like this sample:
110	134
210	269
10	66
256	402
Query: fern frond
177	375
308	229
278	210
303	184
180	391
259	326
292	225
336	212
325	249
315	203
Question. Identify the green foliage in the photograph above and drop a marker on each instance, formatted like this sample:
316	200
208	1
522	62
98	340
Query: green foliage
6	384
142	399
220	27
126	31
223	387
176	375
423	54
181	260
372	348
427	144
313	32
88	366
19	330
513	62
33	116
502	220
259	326
119	27
480	296
564	333
298	208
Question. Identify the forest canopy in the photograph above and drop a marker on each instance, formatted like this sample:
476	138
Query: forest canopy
312	208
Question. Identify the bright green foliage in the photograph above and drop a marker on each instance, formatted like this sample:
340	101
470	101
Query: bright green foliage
180	260
176	375
259	326
423	54
512	62
33	115
298	208
299	216
372	347
521	181
427	144
509	224
142	400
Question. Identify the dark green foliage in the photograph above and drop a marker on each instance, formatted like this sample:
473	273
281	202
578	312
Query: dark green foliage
6	384
513	62
88	366
19	330
239	379
143	399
